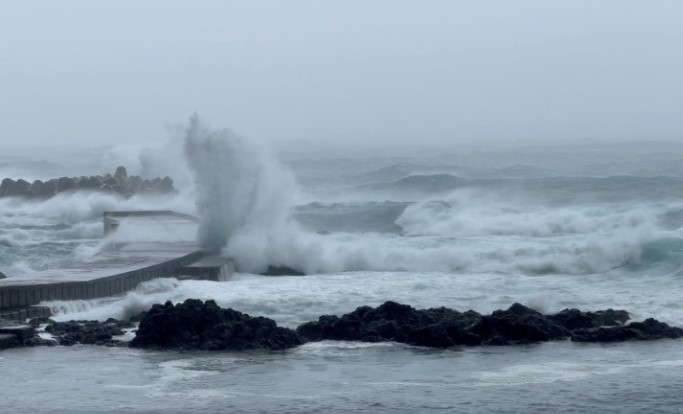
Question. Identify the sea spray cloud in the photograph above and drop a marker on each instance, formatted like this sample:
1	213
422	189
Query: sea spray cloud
238	184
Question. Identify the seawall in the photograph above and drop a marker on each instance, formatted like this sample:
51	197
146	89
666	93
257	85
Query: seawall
15	301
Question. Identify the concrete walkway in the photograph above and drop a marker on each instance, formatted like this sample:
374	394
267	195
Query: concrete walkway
141	247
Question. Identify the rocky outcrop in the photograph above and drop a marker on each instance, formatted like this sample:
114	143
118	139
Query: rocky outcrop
282	271
204	325
87	332
646	330
119	183
77	332
443	327
2	276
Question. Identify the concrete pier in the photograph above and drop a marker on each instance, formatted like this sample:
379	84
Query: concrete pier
141	246
14	334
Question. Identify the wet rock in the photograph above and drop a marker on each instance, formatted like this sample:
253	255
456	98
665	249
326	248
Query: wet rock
437	327
36	322
109	180
2	276
87	332
204	325
575	319
282	271
165	185
6	186
138	317
121	175
135	184
517	325
36	189
38	341
66	184
19	189
646	330
443	327
49	188
90	183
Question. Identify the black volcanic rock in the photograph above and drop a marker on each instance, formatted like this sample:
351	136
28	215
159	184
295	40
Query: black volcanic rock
391	321
86	332
443	327
646	330
282	271
575	319
517	325
204	325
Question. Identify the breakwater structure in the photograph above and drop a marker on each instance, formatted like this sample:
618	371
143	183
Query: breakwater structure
137	246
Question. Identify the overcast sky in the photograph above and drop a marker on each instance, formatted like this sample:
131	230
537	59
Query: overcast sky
105	72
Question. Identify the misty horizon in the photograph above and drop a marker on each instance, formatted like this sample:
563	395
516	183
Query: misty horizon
321	73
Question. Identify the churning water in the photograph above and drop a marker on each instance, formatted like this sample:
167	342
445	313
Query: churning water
436	230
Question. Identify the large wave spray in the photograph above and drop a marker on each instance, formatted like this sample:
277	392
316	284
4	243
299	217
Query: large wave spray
238	184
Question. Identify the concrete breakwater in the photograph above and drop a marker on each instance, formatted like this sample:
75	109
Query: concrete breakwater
117	270
15	299
119	183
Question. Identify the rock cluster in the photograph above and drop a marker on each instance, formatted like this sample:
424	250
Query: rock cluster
119	183
204	325
443	327
80	332
282	271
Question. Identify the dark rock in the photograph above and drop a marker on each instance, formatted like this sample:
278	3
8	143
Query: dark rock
204	325
120	189
135	184
517	325
49	188
36	189
66	184
391	321
2	276
575	319
90	183
443	327
36	322
8	341
109	180
137	318
165	185
282	271
87	332
38	341
6	186
121	175
19	189
646	330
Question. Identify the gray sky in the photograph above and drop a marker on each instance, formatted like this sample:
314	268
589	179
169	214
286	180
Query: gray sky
104	72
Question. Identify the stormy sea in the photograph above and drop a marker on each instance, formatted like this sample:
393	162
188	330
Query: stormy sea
551	226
